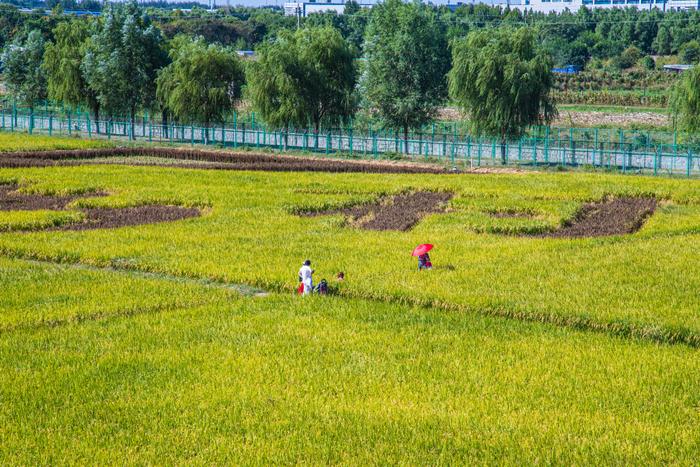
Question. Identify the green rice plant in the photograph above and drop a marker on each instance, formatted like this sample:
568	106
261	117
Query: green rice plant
14	142
117	368
641	284
37	220
40	294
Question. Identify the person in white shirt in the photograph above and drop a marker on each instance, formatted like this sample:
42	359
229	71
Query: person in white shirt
306	277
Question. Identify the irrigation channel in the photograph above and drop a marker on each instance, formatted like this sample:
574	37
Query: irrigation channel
607	149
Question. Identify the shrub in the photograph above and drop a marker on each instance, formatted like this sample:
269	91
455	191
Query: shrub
647	63
690	53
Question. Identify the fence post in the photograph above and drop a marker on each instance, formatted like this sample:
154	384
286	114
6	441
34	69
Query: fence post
546	146
656	159
689	164
50	124
235	129
70	126
444	142
595	146
192	135
675	145
328	142
469	149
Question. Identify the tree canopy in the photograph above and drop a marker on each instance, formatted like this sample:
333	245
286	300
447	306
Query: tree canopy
202	82
404	80
685	101
22	70
502	81
304	77
122	60
63	60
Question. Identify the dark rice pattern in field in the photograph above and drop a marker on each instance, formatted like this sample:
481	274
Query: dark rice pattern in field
111	218
398	212
12	200
221	160
612	216
95	218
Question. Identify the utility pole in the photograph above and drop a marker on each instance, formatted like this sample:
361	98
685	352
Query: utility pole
298	15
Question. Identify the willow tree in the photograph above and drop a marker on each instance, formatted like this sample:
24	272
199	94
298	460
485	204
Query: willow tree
62	63
502	80
202	82
407	60
305	77
685	101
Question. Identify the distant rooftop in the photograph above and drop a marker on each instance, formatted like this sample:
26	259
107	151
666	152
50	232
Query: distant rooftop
677	68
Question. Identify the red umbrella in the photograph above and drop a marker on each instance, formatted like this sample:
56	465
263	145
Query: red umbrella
422	249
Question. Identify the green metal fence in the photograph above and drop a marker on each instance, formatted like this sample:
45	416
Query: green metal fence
626	151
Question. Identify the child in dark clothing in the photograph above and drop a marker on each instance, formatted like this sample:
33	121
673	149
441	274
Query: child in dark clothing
424	262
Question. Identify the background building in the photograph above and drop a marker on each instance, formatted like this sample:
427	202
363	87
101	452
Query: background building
306	8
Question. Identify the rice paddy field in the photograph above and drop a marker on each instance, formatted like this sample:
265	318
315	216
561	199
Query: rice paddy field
148	316
22	142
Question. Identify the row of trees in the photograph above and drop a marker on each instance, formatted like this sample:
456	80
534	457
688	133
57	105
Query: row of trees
597	36
119	65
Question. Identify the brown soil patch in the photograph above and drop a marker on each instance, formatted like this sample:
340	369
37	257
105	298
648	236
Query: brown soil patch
95	218
398	212
613	216
12	200
110	218
223	160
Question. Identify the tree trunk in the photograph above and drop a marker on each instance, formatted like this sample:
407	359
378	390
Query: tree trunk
504	156
405	139
164	120
132	118
96	113
317	126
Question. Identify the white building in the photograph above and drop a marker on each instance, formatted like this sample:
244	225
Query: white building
308	7
547	6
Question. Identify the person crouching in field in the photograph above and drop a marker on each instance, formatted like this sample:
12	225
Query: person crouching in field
424	262
306	277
